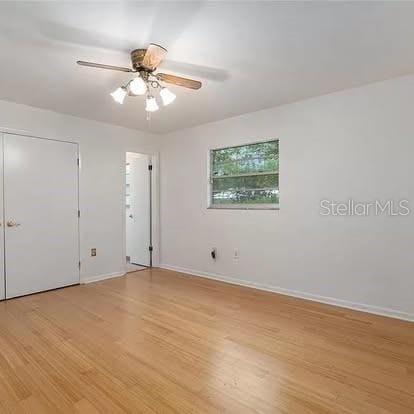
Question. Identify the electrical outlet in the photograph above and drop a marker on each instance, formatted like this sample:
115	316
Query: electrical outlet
93	252
236	254
213	253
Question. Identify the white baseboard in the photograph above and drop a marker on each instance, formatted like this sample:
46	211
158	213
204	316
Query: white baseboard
97	278
392	313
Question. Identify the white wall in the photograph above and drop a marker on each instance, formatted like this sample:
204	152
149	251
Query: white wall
357	143
102	178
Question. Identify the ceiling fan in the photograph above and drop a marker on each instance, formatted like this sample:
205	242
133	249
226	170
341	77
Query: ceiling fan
145	63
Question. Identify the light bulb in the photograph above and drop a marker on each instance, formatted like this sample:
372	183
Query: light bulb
152	105
119	95
167	96
137	86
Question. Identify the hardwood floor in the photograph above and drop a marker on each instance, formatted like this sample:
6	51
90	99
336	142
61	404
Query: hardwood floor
161	342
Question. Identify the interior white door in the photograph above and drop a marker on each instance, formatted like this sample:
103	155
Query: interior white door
41	214
2	279
138	216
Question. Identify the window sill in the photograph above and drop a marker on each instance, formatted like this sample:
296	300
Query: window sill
244	207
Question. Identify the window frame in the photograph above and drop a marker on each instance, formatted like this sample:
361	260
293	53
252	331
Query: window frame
211	206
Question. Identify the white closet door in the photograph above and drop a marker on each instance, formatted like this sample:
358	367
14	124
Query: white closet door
139	216
2	280
41	214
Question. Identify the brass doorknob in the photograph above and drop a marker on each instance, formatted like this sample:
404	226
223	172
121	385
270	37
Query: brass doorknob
12	223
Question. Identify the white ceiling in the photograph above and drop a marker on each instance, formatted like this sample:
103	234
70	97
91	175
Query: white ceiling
250	55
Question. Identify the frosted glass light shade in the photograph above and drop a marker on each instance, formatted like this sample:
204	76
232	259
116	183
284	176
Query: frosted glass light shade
167	96
137	86
119	95
152	105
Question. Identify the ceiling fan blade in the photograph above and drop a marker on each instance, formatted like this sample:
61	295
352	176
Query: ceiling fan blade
179	81
154	56
190	69
101	66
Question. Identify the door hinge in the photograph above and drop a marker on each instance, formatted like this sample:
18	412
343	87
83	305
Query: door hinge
150	248
77	161
79	264
78	213
150	167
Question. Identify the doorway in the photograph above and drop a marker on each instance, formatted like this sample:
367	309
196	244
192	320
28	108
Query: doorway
138	211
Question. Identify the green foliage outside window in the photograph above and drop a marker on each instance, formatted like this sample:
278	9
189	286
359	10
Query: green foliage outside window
247	174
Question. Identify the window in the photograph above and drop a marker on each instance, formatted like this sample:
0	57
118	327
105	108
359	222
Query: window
246	176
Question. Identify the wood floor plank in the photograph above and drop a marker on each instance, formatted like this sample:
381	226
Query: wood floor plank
157	341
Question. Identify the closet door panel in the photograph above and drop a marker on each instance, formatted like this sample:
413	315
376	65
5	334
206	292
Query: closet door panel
41	214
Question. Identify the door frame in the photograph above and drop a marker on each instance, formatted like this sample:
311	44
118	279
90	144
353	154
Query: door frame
11	131
154	207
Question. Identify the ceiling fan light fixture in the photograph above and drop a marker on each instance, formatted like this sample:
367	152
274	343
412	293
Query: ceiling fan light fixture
146	79
119	95
167	96
151	105
137	86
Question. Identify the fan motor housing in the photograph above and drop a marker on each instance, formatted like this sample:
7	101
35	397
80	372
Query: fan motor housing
137	56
